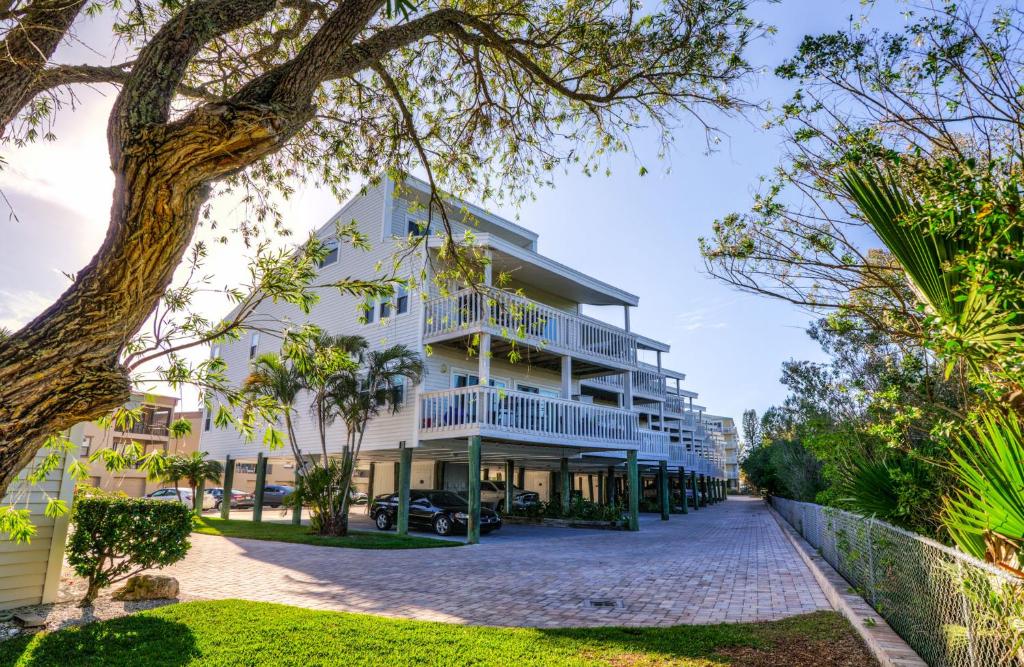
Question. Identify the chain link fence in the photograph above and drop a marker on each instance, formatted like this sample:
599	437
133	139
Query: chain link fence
951	608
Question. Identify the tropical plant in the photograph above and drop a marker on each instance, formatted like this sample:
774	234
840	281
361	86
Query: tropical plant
954	229
276	379
358	393
346	382
195	469
986	515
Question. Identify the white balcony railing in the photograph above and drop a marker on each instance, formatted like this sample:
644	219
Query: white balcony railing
647	380
654	443
518	318
518	413
613	381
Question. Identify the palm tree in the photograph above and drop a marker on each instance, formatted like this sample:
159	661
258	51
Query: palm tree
360	393
274	378
194	469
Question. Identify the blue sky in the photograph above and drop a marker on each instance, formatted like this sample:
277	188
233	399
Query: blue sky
639	233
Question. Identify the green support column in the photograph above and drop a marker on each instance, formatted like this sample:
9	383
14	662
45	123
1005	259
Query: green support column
663	494
600	488
682	490
395	475
609	494
439	474
261	481
704	490
473	482
369	486
634	490
590	488
521	477
694	488
510	471
404	475
566	480
229	480
297	507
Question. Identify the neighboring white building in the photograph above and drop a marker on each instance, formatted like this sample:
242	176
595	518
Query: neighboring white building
581	391
726	438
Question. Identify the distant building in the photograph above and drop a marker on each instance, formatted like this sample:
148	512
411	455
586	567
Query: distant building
727	442
152	431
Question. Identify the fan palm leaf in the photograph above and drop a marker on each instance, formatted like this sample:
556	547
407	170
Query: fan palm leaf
989	464
974	326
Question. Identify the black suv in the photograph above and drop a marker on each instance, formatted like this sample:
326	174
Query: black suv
443	512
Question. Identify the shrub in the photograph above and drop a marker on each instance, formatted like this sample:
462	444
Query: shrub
578	509
115	538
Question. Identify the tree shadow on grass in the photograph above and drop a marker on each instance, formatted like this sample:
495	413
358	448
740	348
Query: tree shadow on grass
130	641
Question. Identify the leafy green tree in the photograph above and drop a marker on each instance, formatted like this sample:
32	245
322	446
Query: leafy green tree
751	430
248	97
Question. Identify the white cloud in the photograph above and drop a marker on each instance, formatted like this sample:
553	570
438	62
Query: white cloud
700	318
18	308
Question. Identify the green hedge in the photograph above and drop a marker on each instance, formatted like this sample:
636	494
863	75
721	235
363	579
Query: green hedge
115	538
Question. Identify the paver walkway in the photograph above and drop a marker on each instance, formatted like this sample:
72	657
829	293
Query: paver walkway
727	563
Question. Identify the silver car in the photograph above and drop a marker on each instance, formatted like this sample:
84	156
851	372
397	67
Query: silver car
492	494
181	495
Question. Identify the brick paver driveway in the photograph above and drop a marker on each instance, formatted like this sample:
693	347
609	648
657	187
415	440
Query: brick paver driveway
729	563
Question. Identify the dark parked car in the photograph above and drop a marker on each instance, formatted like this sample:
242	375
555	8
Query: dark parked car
275	494
239	499
441	511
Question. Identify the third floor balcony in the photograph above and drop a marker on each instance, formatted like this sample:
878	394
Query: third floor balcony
517	320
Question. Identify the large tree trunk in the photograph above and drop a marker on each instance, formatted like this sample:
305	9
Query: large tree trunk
27	48
63	368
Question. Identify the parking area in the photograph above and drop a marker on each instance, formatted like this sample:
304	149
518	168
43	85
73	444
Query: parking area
726	563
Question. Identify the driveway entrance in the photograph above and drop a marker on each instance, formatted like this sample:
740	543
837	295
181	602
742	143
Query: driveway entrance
725	563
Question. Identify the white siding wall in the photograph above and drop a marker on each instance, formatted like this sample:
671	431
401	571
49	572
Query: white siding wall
337	314
30	572
446	359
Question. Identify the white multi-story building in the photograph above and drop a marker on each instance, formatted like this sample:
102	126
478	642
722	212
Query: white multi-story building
727	444
579	400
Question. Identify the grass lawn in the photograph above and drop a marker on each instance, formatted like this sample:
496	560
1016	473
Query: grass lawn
286	532
235	632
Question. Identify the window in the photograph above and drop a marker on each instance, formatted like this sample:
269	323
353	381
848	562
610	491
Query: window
401	300
208	417
332	253
254	344
86	446
368	311
464	379
527	389
385	309
399	394
418	228
215	352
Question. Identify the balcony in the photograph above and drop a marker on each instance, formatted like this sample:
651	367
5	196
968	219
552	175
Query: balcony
647	381
518	416
518	320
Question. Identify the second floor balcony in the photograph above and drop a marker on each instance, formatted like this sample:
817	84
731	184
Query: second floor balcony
530	418
517	319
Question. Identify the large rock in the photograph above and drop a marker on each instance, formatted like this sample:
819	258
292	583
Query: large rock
147	587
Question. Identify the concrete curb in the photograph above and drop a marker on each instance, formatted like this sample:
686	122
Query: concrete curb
888	647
